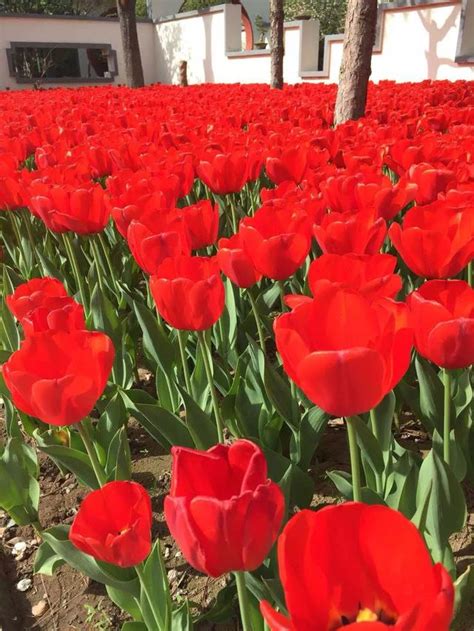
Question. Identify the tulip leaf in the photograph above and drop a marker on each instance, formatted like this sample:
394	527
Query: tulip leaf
162	425
47	560
134	626
123	579
199	424
464	590
343	483
154	581
305	440
383	414
19	488
156	342
118	464
368	444
279	392
301	485
125	601
445	497
181	619
9	334
72	459
431	395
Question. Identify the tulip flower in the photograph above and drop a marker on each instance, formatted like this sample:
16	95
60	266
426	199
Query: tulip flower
344	351
154	238
31	295
222	509
370	275
435	241
235	263
113	524
224	173
442	316
188	292
201	222
378	575
277	240
67	209
360	233
57	376
430	182
290	165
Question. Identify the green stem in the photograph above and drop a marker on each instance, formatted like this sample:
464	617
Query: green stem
206	354
447	417
107	258
376	433
469	273
31	238
140	570
233	214
253	304
11	215
75	269
184	363
91	452
355	460
97	261
281	285
243	601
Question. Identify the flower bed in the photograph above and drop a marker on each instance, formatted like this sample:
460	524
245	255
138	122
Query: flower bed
224	269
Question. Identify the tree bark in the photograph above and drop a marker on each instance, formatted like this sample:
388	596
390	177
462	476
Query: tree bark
131	49
276	43
359	39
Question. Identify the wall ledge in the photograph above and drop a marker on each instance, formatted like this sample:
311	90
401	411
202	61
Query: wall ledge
83	18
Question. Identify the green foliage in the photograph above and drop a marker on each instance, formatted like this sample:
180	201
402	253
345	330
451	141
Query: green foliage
330	13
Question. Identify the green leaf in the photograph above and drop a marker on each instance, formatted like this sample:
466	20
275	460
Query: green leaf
156	581
156	342
181	619
464	590
368	444
279	392
446	512
301	484
72	459
431	394
166	428
47	560
122	579
305	440
384	413
134	626
343	483
19	488
118	464
199	424
125	601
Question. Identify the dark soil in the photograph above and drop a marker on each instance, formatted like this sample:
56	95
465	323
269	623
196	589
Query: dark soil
69	601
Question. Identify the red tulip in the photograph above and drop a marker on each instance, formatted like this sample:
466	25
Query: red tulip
31	295
378	575
370	275
235	264
442	314
290	165
154	238
64	209
201	223
57	376
360	233
277	240
435	241
344	351
113	524
189	292
224	173
430	182
223	510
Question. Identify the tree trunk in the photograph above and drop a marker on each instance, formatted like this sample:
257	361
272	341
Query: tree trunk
359	39
276	43
131	49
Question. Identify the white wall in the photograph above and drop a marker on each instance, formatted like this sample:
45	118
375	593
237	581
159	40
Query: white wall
67	30
414	43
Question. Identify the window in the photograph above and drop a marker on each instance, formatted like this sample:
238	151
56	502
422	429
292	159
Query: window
32	62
